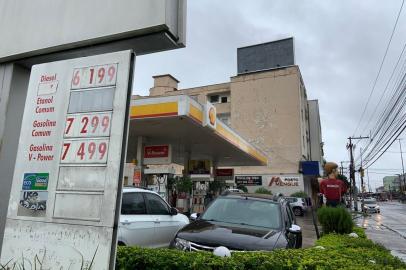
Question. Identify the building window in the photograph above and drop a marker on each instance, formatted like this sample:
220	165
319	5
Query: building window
220	98
214	99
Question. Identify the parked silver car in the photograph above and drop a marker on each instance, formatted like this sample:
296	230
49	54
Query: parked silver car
298	205
147	220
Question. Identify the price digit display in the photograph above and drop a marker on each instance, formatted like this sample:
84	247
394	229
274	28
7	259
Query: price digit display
88	125
95	76
85	151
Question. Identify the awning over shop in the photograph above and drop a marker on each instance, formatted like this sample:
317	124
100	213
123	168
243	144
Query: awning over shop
192	130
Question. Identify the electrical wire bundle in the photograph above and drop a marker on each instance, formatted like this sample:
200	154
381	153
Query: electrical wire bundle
391	121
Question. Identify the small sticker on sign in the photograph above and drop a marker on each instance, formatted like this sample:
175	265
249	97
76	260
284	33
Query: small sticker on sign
35	181
33	203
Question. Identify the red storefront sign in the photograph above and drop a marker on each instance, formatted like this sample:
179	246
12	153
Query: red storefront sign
157	154
156	151
225	172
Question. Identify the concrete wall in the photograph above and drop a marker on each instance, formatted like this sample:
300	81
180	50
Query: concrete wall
15	83
316	141
265	109
46	26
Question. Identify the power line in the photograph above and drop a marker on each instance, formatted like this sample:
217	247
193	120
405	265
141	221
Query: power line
380	67
400	130
389	124
386	87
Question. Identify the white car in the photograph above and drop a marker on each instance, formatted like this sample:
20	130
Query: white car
371	206
147	220
298	205
235	190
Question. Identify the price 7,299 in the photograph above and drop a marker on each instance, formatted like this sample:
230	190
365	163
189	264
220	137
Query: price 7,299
85	151
87	125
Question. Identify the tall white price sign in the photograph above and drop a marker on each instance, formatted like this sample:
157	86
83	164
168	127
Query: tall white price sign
62	207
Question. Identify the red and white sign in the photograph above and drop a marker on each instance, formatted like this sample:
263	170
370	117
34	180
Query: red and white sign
157	154
85	151
94	76
137	177
88	125
72	131
225	172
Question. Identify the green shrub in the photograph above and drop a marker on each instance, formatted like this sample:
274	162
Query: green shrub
338	252
263	190
360	231
299	194
243	188
335	220
184	184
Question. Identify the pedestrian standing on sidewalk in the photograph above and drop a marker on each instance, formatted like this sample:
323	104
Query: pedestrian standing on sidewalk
332	188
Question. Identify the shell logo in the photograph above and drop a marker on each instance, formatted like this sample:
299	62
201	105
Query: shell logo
212	116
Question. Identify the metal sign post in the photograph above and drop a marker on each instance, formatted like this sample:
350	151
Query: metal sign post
67	180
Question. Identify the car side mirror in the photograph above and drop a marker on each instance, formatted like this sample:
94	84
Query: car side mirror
174	211
295	229
194	216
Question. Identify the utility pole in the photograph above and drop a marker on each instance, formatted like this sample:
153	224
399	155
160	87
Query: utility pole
403	168
361	173
369	187
342	173
350	146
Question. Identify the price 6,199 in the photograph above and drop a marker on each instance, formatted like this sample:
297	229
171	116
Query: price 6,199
85	151
94	76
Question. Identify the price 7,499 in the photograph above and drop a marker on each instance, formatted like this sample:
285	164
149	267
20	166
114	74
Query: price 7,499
85	151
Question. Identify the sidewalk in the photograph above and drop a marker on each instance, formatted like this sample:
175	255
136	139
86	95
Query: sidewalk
308	230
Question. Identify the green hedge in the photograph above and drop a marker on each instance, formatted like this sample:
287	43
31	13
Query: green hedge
333	251
335	220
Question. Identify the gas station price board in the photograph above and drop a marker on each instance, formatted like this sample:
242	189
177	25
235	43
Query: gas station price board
66	179
85	151
88	125
94	76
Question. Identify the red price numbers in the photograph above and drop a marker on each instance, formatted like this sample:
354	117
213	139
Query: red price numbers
95	76
91	151
86	125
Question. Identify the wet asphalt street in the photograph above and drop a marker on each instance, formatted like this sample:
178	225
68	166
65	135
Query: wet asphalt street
388	228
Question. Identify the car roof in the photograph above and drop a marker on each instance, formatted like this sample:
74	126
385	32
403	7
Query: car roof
135	189
255	196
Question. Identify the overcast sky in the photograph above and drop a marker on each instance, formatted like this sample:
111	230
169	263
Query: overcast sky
339	45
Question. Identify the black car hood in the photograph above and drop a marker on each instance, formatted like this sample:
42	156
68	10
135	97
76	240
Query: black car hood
234	237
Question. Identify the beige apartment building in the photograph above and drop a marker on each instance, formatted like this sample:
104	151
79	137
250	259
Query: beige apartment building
269	108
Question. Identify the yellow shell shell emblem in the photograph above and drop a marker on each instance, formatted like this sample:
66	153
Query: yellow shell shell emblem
212	116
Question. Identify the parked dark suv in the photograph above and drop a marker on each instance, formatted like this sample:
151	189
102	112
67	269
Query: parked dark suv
242	222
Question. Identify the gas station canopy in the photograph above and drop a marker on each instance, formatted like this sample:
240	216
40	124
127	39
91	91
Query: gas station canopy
192	130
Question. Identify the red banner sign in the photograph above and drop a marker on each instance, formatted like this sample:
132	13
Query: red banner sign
225	172
156	151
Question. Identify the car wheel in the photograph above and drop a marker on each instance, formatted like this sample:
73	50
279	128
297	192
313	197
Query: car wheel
298	211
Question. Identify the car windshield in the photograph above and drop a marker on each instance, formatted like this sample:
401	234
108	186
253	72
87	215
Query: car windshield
245	212
369	202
